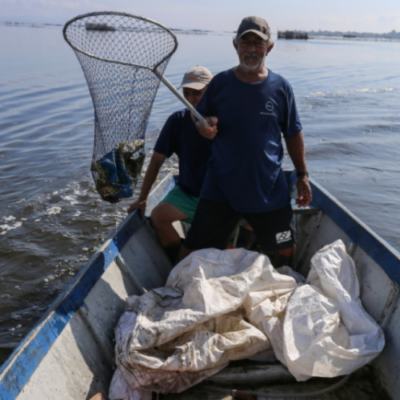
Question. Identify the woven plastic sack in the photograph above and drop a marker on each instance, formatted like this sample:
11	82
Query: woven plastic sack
326	331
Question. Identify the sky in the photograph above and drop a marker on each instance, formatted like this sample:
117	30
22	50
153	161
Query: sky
378	16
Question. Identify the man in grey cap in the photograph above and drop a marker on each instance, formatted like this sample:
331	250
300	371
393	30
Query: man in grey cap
179	135
248	108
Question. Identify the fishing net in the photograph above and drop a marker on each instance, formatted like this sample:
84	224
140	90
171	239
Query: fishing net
122	57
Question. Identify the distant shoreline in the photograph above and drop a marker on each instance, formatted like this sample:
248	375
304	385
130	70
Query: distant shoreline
357	39
355	35
323	35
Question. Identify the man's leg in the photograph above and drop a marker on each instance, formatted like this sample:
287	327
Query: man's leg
176	206
212	227
162	218
246	237
285	257
275	231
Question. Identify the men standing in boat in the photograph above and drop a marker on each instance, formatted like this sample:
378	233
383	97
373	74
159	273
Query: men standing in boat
249	107
179	135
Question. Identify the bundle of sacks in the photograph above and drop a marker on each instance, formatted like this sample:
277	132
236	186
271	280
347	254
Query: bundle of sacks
219	306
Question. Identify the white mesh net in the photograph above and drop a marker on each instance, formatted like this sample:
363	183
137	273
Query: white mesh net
120	55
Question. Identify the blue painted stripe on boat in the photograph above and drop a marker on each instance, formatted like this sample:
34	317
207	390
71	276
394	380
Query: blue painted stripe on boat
22	363
38	345
359	233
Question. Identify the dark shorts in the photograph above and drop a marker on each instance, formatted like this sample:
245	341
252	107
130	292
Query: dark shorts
215	221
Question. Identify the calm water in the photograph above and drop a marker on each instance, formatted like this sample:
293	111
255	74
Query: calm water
51	219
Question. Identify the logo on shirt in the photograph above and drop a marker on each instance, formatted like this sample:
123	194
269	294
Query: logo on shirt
283	237
269	106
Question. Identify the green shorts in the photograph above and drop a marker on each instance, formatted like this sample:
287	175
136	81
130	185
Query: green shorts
183	202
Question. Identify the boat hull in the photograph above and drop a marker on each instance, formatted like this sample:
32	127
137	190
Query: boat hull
69	353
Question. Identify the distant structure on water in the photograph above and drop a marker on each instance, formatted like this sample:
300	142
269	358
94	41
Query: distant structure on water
392	36
90	26
292	35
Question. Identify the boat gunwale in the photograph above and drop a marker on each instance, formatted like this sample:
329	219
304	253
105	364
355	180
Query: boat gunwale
386	256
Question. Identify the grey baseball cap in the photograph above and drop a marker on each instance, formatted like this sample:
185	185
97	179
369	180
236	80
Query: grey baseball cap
257	25
196	78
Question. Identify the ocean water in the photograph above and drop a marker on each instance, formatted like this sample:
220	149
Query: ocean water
51	218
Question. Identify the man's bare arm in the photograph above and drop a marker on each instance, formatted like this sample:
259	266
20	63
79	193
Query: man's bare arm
295	148
156	161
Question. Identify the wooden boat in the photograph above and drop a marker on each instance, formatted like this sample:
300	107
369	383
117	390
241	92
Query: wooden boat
69	353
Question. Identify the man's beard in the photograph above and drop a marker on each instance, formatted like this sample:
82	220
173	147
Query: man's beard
252	67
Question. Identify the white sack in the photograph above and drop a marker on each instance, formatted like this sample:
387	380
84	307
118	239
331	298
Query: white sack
120	390
326	331
174	337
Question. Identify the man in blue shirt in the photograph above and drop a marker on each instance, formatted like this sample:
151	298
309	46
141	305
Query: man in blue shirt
179	135
249	108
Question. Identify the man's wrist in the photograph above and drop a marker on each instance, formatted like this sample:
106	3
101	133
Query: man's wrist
299	174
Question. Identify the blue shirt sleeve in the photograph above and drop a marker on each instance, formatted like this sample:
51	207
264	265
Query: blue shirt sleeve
204	107
291	123
166	142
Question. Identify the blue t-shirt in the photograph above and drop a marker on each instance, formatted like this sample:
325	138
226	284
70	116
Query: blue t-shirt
179	135
245	163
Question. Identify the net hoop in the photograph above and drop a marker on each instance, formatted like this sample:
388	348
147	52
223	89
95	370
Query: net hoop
93	14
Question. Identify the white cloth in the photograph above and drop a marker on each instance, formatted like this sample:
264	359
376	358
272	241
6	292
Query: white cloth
173	337
326	331
120	390
218	306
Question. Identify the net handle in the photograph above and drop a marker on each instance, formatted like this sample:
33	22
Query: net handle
155	72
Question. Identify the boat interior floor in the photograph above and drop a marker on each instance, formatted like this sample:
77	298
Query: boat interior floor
275	379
